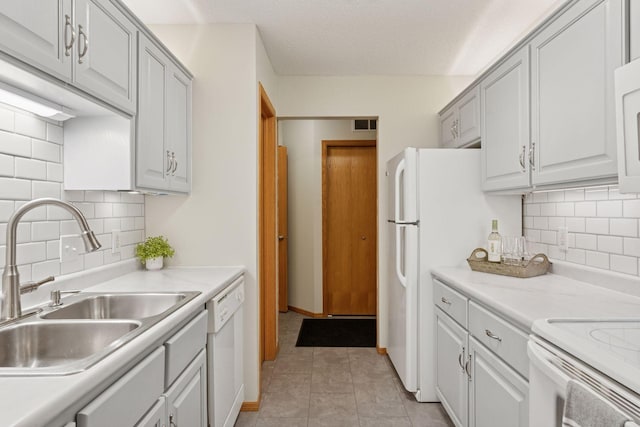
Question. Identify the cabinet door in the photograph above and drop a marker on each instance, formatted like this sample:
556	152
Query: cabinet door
178	118
156	416
34	32
468	128
152	161
447	131
105	60
187	397
573	113
498	396
451	378
504	95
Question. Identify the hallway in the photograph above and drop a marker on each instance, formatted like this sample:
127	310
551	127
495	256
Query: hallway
336	387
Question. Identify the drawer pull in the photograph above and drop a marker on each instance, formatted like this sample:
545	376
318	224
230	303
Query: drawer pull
460	357
446	301
492	335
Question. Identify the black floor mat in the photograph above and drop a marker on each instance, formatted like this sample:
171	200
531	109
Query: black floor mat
337	333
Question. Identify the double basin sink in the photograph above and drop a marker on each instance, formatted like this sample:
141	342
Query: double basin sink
89	326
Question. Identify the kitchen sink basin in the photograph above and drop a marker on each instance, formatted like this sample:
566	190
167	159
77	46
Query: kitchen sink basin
51	344
118	306
88	327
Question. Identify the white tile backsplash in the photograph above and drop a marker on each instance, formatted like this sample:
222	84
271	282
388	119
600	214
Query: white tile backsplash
603	225
31	167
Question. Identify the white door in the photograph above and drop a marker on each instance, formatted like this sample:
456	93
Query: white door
36	32
498	396
105	57
505	124
187	397
153	162
452	383
403	273
178	113
572	98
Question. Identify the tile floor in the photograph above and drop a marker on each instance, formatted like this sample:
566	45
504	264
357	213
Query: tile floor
336	387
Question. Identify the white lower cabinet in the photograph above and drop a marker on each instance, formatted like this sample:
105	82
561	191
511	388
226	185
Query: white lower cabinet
167	388
498	396
478	386
187	397
156	416
451	378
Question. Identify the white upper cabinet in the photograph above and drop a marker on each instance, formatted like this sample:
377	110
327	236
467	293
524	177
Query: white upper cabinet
105	53
163	149
36	31
505	124
572	99
460	123
88	43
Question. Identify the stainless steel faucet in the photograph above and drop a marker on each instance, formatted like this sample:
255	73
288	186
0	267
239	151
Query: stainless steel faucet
10	307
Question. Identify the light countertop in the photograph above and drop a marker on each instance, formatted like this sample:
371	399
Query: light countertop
524	301
52	400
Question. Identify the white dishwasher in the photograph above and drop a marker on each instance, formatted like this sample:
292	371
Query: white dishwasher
224	355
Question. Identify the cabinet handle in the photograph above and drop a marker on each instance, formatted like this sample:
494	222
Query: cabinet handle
492	335
532	156
170	161
460	357
522	154
175	163
446	301
451	128
85	44
171	423
467	368
68	44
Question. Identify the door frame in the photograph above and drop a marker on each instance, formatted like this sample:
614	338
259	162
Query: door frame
326	144
267	227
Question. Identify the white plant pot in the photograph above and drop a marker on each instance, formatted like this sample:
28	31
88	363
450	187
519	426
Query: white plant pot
154	263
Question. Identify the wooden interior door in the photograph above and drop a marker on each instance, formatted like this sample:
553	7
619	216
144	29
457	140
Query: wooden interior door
349	227
283	230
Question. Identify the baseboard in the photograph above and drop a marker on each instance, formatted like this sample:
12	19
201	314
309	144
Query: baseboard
305	312
381	350
250	406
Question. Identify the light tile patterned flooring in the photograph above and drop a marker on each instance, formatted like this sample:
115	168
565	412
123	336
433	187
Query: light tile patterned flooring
336	387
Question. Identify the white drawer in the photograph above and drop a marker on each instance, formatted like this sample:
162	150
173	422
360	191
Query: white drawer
451	302
136	391
508	342
184	346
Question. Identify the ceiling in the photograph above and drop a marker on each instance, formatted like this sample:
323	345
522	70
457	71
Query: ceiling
366	37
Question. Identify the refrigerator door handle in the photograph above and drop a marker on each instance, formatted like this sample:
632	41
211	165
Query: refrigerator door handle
399	259
404	222
398	189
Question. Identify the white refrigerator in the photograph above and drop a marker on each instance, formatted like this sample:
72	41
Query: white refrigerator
437	215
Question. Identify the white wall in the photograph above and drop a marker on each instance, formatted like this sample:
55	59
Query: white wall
217	223
407	110
31	166
303	139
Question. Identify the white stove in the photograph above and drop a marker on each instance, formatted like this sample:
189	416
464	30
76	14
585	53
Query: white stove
603	354
611	346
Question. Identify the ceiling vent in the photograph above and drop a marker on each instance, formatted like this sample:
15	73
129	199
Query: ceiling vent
364	125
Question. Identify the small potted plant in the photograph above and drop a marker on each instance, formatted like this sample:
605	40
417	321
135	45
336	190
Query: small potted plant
152	252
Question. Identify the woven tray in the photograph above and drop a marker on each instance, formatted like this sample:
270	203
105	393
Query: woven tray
538	265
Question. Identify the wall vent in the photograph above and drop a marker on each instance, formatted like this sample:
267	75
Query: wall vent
364	125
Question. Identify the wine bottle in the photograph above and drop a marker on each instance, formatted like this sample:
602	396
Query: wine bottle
494	243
